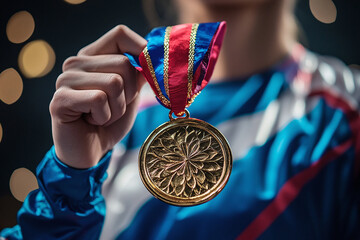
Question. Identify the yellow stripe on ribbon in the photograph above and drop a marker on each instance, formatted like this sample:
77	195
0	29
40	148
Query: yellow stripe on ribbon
190	74
166	60
152	72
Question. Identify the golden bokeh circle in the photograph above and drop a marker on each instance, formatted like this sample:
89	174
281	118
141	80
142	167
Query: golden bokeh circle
11	86
1	132
36	59
20	27
323	10
74	2
22	182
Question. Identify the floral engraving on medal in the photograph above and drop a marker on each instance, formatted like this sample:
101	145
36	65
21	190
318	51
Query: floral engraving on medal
185	161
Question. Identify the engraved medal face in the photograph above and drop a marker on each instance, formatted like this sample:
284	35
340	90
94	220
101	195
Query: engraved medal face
185	162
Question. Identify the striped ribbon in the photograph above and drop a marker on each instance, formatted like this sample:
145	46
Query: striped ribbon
178	61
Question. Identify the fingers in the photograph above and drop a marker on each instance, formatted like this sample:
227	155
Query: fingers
113	85
126	122
116	64
120	39
70	105
111	63
100	82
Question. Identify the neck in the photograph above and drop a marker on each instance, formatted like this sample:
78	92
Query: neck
257	36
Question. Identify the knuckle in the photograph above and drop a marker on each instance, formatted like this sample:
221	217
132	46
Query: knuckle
115	84
116	81
120	29
62	78
122	60
56	102
99	98
125	61
59	81
82	51
70	62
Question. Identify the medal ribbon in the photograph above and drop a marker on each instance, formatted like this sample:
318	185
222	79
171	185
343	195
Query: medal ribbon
178	61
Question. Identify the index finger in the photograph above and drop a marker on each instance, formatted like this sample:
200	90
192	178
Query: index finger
120	39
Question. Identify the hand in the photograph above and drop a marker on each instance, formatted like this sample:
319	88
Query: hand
96	98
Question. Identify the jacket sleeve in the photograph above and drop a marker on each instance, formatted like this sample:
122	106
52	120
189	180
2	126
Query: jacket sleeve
67	205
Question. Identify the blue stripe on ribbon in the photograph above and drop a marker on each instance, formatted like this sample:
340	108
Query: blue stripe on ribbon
155	46
204	36
133	60
156	52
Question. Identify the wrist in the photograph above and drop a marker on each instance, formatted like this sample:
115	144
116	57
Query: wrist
77	160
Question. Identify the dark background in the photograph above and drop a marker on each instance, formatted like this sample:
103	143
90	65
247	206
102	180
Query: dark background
67	28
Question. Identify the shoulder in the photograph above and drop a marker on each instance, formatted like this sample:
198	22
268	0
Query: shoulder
321	75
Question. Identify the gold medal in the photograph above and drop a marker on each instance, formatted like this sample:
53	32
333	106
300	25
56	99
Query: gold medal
185	161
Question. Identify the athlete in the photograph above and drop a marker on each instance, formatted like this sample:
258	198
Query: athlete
291	118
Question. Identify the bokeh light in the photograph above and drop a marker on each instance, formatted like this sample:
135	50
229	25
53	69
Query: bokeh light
323	10
1	132
36	59
356	66
11	86
74	1
22	181
20	27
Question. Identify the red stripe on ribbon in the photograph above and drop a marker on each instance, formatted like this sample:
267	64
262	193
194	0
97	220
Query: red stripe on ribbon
289	192
178	66
215	51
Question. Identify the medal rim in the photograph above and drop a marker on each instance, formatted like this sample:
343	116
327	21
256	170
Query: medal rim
195	200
